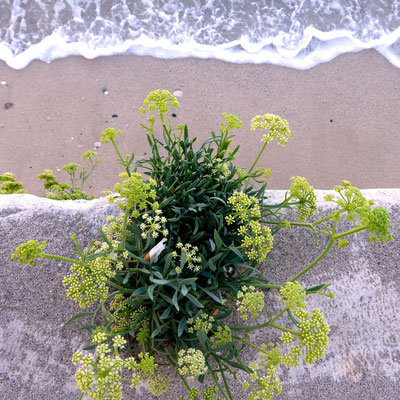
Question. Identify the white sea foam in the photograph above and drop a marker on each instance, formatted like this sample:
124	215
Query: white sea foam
298	34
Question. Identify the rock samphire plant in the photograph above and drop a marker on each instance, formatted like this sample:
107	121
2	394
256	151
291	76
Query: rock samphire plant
185	253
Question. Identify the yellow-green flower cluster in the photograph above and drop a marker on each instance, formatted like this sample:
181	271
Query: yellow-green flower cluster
313	330
222	336
124	316
109	134
99	377
293	295
10	185
158	384
153	226
360	212
202	323
70	168
304	193
219	168
113	229
192	259
193	394
100	374
136	192
250	301
257	239
264	385
88	283
232	121
277	126
244	207
26	253
192	363
160	101
313	336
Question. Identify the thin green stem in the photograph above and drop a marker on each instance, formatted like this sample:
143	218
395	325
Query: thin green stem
54	257
258	157
224	379
180	376
264	325
120	157
282	328
216	380
316	261
350	232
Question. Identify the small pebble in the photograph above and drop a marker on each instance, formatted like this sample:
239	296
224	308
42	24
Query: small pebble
177	93
173	115
83	98
72	138
48	119
3	82
1	125
97	145
97	79
8	105
114	116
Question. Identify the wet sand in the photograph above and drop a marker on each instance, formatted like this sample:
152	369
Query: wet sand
344	115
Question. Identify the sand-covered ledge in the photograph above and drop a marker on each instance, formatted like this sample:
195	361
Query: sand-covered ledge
344	115
362	360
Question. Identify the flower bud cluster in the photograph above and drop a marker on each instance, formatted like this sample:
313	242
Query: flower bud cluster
137	193
313	330
250	301
222	336
232	121
191	362
153	225
26	253
257	240
293	295
108	134
192	259
277	126
160	101
359	211
244	207
264	383
202	323
304	193
100	374
88	283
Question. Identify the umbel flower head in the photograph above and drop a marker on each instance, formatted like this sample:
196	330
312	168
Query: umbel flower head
191	362
136	192
250	301
304	193
278	128
26	253
160	101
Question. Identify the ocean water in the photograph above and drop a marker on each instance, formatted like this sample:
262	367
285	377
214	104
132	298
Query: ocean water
293	33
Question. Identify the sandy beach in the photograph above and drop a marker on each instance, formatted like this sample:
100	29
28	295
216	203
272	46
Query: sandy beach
344	115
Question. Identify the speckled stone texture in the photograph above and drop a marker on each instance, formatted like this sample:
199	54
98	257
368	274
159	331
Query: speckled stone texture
362	360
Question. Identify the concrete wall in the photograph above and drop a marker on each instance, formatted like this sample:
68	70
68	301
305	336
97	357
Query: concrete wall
362	360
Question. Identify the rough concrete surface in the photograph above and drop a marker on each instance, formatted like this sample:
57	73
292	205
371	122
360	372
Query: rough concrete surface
362	360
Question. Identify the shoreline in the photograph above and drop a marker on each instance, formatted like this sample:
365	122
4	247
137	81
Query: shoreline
343	115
